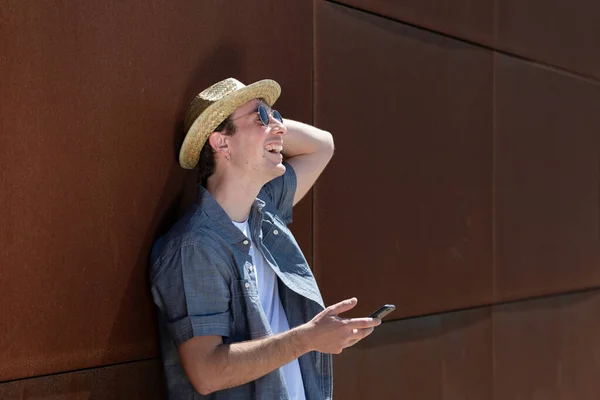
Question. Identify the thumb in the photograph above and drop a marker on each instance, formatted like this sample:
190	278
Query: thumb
342	306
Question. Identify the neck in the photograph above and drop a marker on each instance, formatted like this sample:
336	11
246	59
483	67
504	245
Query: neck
235	196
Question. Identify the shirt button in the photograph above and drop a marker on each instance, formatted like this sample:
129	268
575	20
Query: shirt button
247	285
246	242
275	232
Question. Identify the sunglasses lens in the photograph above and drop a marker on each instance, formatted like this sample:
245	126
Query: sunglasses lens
277	116
264	116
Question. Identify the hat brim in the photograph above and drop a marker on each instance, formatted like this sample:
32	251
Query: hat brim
204	125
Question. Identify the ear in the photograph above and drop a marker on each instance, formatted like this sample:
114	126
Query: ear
219	143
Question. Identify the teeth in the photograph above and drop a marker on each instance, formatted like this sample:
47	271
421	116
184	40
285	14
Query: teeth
274	147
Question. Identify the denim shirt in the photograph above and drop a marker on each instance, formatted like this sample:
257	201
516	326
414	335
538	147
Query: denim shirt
202	284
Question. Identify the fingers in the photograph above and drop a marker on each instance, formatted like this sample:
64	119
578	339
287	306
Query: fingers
362	323
362	333
358	335
366	332
342	306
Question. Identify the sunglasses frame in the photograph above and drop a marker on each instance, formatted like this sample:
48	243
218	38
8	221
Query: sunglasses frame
265	116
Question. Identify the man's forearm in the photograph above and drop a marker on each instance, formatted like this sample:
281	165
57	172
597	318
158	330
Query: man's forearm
304	139
239	363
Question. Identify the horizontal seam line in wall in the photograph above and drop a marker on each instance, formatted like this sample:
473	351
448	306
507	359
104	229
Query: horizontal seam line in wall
574	74
480	306
78	370
501	303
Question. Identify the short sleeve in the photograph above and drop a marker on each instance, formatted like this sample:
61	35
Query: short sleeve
280	192
192	294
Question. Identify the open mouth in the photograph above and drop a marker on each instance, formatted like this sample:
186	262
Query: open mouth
274	148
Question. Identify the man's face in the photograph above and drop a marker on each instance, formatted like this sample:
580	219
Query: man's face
255	149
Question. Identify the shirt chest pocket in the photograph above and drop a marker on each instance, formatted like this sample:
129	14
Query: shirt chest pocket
248	319
274	230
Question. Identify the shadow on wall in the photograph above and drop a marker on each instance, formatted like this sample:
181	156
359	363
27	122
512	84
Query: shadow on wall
139	380
424	328
227	60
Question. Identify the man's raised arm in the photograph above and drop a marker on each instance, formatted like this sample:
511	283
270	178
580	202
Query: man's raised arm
308	150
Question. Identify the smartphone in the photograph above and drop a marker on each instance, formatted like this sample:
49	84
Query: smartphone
383	311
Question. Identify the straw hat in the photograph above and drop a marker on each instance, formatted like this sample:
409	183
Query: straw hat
212	106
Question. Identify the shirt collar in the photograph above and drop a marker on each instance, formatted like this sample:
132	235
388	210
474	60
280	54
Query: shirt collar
219	217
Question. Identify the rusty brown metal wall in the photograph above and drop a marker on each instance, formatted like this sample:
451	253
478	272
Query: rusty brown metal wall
134	380
409	190
92	101
464	189
465	185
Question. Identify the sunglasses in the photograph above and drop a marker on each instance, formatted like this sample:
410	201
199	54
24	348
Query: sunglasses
264	115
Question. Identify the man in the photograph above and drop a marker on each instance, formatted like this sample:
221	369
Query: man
240	314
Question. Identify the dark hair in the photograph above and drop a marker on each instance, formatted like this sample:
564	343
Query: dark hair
206	164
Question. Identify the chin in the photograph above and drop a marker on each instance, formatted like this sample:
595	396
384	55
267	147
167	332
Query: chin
277	171
280	169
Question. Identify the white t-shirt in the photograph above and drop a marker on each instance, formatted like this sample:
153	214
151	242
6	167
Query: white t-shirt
268	292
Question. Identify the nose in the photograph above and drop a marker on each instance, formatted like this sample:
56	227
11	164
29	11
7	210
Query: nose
278	128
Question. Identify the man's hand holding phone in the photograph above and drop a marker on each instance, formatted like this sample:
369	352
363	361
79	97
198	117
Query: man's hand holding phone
328	333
